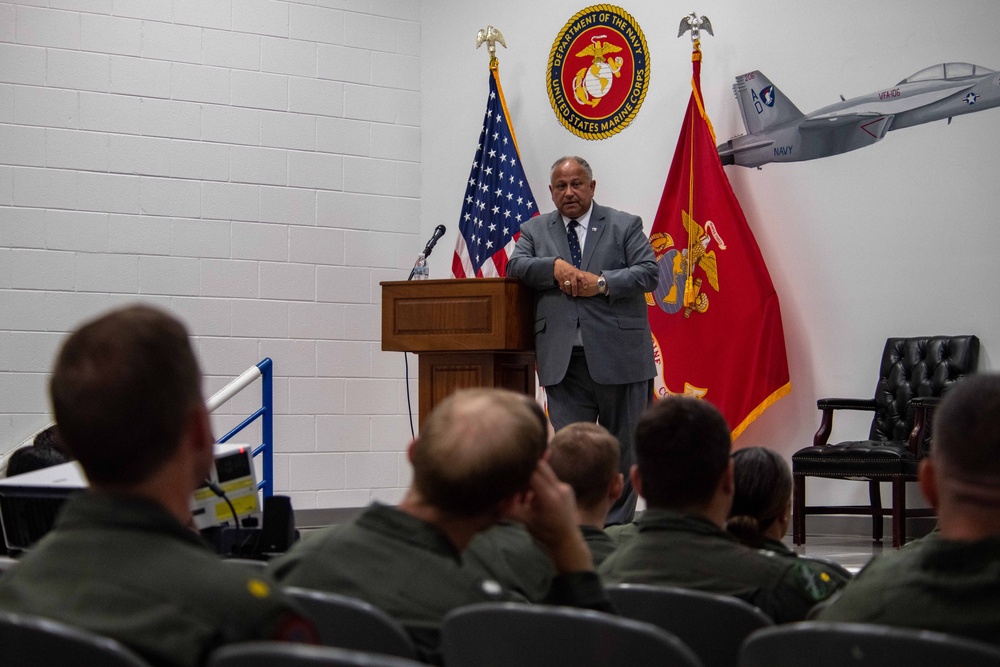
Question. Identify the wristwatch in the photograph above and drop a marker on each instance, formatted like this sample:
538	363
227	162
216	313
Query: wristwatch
602	285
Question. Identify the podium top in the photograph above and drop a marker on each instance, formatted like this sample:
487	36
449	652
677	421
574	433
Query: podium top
457	314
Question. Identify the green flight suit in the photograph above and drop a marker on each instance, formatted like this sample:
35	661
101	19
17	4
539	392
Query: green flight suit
600	543
620	533
509	554
410	570
675	549
836	573
933	584
125	568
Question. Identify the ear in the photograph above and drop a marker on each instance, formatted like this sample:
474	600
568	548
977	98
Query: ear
633	474
200	429
616	487
593	186
409	450
928	483
727	483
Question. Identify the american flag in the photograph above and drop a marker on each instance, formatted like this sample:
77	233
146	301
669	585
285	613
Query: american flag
497	199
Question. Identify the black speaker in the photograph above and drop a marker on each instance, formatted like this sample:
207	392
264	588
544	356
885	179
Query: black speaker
278	532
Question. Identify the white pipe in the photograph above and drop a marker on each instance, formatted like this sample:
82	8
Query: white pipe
233	388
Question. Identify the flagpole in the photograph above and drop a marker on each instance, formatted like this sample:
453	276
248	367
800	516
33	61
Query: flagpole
695	24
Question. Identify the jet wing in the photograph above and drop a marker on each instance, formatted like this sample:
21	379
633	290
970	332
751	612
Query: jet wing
875	124
897	105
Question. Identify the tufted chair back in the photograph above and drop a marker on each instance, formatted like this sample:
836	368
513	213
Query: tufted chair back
924	366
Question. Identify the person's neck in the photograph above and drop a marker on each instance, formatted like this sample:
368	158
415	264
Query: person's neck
593	516
965	523
714	512
458	529
160	490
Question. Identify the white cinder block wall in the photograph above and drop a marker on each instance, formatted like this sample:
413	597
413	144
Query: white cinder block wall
251	165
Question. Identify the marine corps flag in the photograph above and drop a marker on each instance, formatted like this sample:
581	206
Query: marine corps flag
714	316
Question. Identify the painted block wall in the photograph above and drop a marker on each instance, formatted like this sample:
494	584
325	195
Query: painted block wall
253	166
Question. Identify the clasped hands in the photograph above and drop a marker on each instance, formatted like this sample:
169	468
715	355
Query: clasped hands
573	281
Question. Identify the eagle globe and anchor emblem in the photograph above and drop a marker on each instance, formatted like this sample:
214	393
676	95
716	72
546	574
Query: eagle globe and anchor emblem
594	82
598	72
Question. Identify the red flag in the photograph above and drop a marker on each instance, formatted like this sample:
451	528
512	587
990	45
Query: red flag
714	316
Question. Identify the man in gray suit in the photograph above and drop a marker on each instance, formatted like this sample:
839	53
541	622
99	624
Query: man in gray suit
591	267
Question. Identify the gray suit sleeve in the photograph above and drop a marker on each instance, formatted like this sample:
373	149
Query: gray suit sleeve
640	274
524	265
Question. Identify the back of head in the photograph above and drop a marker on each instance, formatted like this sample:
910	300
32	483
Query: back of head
122	390
43	452
682	450
477	447
966	442
763	487
585	456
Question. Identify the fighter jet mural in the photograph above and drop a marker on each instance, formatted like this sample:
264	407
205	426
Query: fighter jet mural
778	132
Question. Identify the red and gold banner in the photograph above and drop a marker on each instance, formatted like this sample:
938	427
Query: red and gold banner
714	316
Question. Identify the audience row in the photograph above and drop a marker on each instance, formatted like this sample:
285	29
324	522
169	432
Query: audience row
494	512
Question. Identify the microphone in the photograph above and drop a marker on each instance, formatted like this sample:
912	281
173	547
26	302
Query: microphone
438	233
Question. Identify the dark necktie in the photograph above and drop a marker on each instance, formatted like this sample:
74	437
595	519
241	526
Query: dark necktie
574	243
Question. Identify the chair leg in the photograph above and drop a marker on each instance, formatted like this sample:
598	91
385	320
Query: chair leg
799	510
898	512
875	495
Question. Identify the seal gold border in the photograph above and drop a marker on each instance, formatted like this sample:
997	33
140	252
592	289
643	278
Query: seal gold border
557	98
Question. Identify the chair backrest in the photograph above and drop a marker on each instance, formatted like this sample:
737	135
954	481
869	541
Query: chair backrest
347	622
284	654
917	366
713	626
6	562
249	563
501	634
30	641
820	644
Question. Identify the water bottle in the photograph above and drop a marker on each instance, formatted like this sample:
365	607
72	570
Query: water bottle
420	269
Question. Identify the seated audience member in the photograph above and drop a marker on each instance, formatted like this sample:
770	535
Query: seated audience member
684	472
585	456
762	508
121	560
950	580
44	452
476	460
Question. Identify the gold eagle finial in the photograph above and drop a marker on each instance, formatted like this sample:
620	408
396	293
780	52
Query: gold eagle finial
490	36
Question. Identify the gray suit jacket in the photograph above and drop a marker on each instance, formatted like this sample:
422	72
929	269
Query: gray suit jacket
615	328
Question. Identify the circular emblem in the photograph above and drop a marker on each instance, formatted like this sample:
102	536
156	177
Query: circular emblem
598	72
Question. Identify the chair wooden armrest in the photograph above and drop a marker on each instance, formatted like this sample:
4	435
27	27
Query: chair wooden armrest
828	405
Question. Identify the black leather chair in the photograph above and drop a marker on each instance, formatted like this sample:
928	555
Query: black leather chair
505	634
816	644
713	626
30	641
915	372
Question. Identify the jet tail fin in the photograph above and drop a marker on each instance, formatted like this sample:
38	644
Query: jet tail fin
762	105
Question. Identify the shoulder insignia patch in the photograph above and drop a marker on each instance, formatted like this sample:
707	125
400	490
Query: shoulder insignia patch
258	589
817	585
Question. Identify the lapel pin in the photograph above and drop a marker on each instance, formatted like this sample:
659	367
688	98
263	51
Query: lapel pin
593	229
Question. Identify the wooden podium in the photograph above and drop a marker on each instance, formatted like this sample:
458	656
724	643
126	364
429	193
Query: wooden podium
467	333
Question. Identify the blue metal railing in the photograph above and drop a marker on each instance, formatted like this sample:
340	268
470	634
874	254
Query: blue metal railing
265	450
